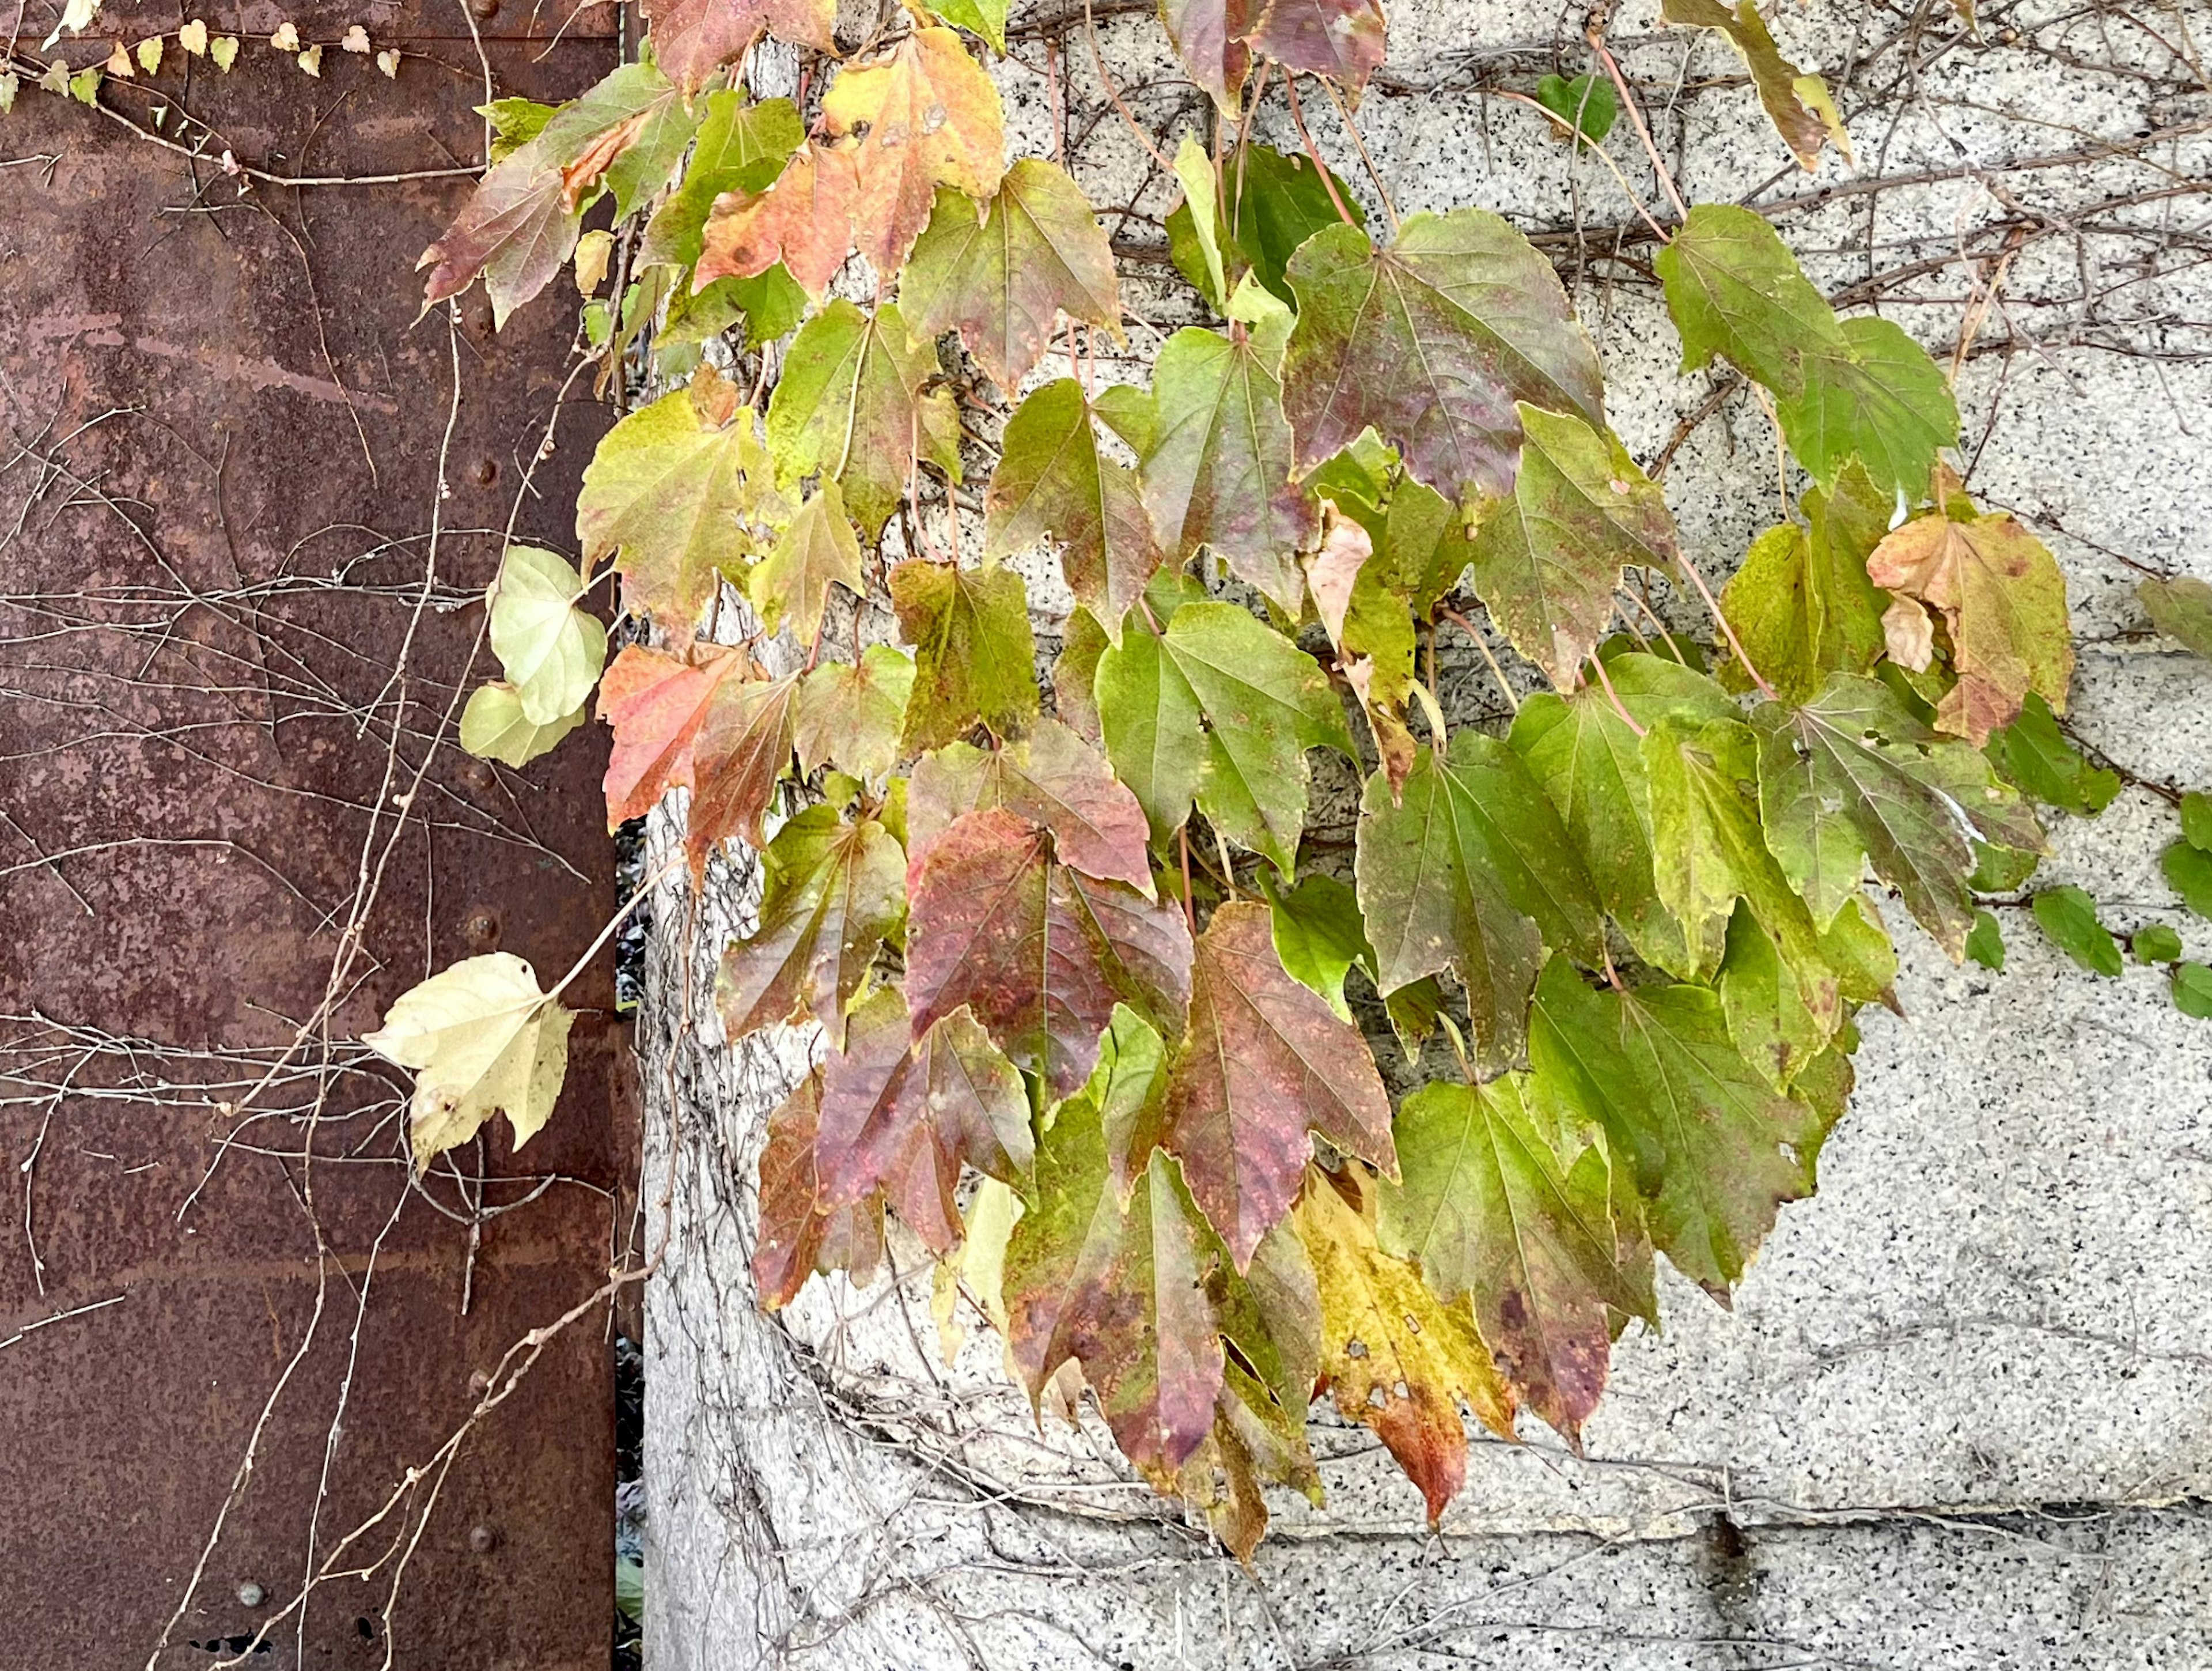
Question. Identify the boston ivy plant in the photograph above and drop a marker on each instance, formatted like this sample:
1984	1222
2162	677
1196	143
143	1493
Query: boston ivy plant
1085	948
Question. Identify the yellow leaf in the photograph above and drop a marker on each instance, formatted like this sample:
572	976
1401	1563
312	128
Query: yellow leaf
287	37
150	54
494	727
193	38
926	116
312	62
223	49
356	40
388	62
483	1040
593	250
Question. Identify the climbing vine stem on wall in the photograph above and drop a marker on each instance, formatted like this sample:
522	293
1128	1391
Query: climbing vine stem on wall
1615	940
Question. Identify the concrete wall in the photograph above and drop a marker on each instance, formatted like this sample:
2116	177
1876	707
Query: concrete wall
1961	1414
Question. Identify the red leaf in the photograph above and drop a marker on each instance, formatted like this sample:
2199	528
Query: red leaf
1342	39
901	1114
1051	778
692	39
1039	952
744	744
1266	1063
797	1236
804	220
655	703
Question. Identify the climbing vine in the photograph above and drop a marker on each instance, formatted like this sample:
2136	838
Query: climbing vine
1103	1026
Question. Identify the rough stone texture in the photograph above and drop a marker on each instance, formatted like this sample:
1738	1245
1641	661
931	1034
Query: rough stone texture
1961	1414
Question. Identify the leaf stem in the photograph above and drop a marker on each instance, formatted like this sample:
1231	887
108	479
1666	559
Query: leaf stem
1344	110
1298	116
644	892
1620	707
1636	115
1512	698
1727	631
1604	156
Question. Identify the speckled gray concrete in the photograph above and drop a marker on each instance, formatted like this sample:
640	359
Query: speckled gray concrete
1961	1414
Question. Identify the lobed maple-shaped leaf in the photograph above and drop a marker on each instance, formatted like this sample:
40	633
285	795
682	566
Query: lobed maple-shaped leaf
1432	341
1120	1286
815	550
743	746
1469	869
1768	1019
682	491
1003	281
1797	104
850	406
483	1040
743	146
1220	709
1488	1210
1546	560
1053	482
927	116
904	1106
802	219
1801	604
851	715
693	39
656	703
1342	39
1880	399
1218	471
973	654
624	135
833	890
1713	1147
1265	1064
1396	1356
1710	850
1040	953
1590	763
1734	289
1852	778
1208	36
1051	778
798	1236
2002	599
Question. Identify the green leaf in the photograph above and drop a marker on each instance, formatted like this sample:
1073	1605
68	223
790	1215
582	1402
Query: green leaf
742	147
1270	204
852	716
1003	281
1469	869
987	18
974	656
767	306
483	1040
2155	942
1590	763
682	491
903	1107
494	727
1053	482
1986	942
514	124
1217	471
2189	872
1735	290
1798	105
1201	210
1586	105
791	583
552	651
1487	1210
1546	561
832	892
1879	400
2182	610
1431	342
1801	603
2000	593
1220	709
2192	989
2035	757
1265	1064
2197	819
1852	778
850	405
1714	1145
2069	916
1319	934
1040	953
1773	1028
1075	673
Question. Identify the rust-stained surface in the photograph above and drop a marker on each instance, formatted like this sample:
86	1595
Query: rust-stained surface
220	433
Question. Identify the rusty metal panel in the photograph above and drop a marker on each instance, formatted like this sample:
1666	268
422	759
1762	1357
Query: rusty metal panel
228	642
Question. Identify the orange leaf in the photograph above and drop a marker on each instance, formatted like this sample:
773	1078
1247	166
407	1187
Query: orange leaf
804	220
655	703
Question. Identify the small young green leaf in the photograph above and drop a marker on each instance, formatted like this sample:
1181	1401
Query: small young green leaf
2182	610
816	550
2069	916
1270	202
2155	942
494	726
2189	871
1586	105
1986	942
2197	819
2192	989
987	18
1319	934
2034	755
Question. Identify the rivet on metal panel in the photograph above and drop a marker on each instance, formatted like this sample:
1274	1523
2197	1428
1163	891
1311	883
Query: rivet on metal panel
251	1594
480	928
485	472
484	11
482	1538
